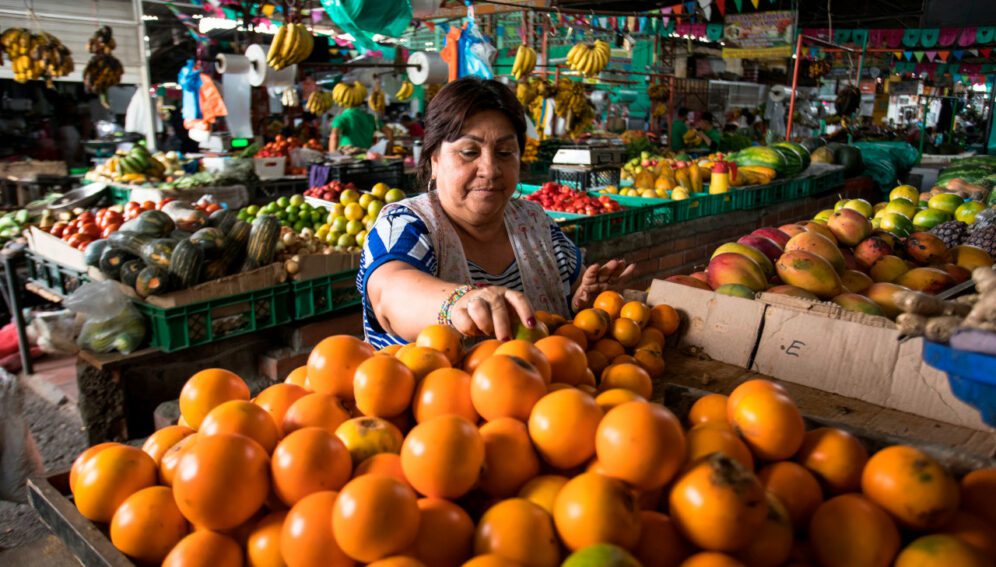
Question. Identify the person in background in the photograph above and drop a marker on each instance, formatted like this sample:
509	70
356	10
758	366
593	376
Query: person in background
707	131
415	129
678	129
356	127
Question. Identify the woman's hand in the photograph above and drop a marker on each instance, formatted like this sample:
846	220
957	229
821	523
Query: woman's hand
598	278
492	311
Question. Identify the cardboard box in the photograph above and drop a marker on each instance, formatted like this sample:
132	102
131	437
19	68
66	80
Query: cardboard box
317	265
726	328
823	346
55	249
30	170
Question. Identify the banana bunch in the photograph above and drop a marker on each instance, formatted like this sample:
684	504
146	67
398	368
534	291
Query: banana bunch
545	88
404	92
589	60
570	97
348	96
35	56
289	98
319	102
819	68
657	92
658	109
292	44
137	165
376	101
525	62
583	119
102	41
101	73
526	91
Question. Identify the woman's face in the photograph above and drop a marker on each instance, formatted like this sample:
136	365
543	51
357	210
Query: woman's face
477	174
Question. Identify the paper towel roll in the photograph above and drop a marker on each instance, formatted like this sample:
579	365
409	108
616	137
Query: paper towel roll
431	68
232	63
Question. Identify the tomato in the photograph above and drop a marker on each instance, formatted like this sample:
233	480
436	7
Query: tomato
73	226
90	229
212	208
148	206
109	230
58	229
165	201
76	239
86	216
111	217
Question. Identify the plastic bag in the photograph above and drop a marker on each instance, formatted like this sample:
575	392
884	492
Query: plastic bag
363	18
55	331
19	457
112	322
476	52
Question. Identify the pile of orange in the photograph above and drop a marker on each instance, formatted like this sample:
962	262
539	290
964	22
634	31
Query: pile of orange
513	455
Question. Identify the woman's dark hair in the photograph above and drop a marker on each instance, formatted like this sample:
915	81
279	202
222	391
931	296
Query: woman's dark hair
457	102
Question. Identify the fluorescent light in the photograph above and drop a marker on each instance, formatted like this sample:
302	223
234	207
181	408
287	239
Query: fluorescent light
150	18
209	24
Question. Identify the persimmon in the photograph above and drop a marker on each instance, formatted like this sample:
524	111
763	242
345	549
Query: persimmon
245	418
974	531
611	302
443	338
718	505
795	487
770	424
664	318
711	559
333	362
660	544
509	458
445	533
388	464
542	490
629	376
609	347
365	437
616	396
705	440
551	320
597	362
573	333
589	381
592	508
651	336
490	560
939	550
277	399
562	425
263	545
383	386
711	408
850	530
147	525
772	545
650	360
307	538
506	386
520	531
636	311
109	477
913	487
478	354
306	461
640	443
375	517
390	350
207	389
625	359
222	480
314	410
298	377
171	459
750	387
397	561
567	359
88	454
835	457
205	548
594	323
626	331
422	360
978	492
442	457
159	442
527	351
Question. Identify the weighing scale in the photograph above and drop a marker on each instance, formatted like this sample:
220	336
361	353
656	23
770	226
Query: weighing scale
589	165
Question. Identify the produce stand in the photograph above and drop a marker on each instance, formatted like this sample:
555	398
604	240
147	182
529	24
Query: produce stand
231	196
263	190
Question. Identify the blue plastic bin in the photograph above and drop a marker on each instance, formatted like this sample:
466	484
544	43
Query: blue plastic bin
972	376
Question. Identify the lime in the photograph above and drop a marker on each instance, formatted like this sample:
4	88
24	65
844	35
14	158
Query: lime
379	190
316	215
299	226
354	227
373	209
332	237
283	202
346	240
365	199
339	224
252	210
394	195
296	200
907	192
966	212
291	217
947	202
280	215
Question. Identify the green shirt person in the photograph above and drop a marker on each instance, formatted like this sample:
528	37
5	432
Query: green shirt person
356	127
707	131
678	129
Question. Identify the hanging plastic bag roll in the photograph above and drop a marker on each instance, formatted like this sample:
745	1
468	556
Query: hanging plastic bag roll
261	74
430	68
232	63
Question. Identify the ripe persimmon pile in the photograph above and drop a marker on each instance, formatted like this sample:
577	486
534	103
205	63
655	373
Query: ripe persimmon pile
514	454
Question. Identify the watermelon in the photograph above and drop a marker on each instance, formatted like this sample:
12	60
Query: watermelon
761	156
796	157
812	144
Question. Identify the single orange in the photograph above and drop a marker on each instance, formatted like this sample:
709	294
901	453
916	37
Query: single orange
240	417
610	348
109	477
650	360
443	338
593	322
309	460
795	487
375	517
636	311
518	530
509	458
627	376
147	525
307	538
597	362
542	490
298	377
442	457
159	442
611	302
705	440
612	398
506	386
390	350
208	389
332	363
665	319
388	464
445	533
652	335
479	353
592	508
528	352
277	399
365	437
422	360
640	443
315	410
660	544
708	408
626	331
572	332
383	386
444	392
567	359
263	544
205	548
562	426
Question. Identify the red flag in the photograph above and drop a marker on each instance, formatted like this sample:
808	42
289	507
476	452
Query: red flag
721	4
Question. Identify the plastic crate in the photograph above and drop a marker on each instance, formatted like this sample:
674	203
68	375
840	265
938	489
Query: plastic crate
177	328
364	174
584	178
119	195
793	189
972	376
325	294
53	276
584	229
270	168
265	190
826	180
757	196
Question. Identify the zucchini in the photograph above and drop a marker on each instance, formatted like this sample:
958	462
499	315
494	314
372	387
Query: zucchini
263	240
158	252
130	242
152	280
210	240
130	271
223	220
91	255
186	264
111	261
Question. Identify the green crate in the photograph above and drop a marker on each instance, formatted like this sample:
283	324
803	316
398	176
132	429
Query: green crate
796	188
119	195
176	328
58	279
826	181
325	294
756	196
583	229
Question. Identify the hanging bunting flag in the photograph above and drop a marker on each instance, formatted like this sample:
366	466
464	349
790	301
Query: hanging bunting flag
928	36
690	8
678	8
908	55
893	38
972	52
918	55
958	54
755	3
985	35
931	55
875	38
643	23
842	36
664	12
898	55
911	37
985	51
706	6
721	4
948	36
859	37
714	32
967	37
740	5
944	55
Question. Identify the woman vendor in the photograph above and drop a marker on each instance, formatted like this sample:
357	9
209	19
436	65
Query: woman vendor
466	253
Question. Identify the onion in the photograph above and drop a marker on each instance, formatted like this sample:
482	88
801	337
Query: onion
292	266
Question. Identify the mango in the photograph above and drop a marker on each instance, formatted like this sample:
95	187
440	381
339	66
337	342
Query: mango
792	229
701	276
896	224
970	257
966	213
732	268
882	294
855	281
809	272
839	204
849	226
888	269
822	229
736	290
925	248
688	281
957	273
849	262
871	250
904	207
773	234
888	237
908	192
858	303
816	243
947	202
927	280
768	247
753	253
824	215
860	205
792	291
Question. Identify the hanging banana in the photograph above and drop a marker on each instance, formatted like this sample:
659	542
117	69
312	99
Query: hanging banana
525	62
35	56
289	98
319	102
404	92
292	44
589	60
376	102
348	96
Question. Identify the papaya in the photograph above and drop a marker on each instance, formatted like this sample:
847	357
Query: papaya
888	269
792	291
810	272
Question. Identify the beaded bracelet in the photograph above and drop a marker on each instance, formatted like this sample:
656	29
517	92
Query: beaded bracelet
444	311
